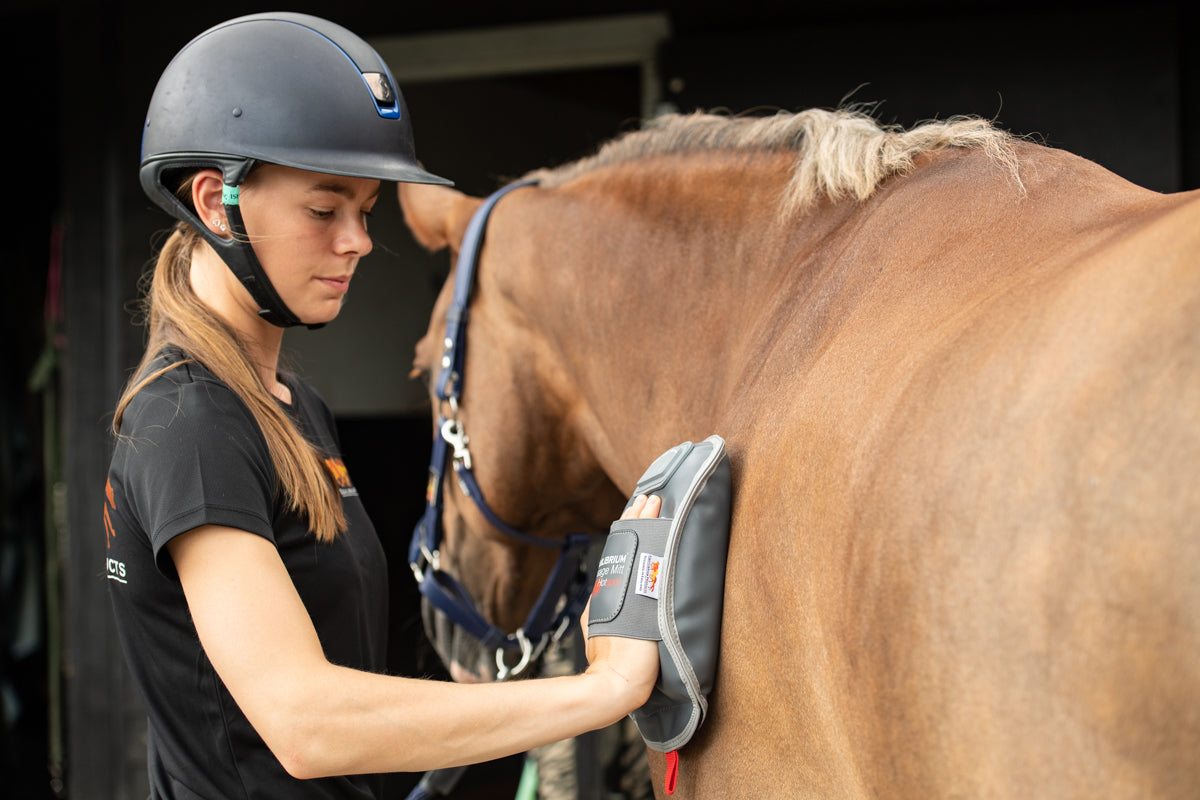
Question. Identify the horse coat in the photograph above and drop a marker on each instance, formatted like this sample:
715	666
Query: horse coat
958	376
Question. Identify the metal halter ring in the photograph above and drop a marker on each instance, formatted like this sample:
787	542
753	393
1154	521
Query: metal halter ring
502	670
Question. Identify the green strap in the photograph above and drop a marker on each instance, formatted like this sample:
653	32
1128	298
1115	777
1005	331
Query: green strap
229	195
528	785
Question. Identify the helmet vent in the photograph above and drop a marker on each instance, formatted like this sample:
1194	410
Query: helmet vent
381	90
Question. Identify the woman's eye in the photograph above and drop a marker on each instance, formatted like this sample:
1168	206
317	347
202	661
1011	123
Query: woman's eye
316	212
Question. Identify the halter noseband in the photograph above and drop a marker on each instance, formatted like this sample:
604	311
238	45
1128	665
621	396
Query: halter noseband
549	618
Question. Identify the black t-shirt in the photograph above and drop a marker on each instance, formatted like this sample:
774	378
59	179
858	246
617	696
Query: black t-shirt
191	454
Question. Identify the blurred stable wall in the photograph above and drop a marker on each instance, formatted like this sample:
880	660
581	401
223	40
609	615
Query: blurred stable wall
1115	82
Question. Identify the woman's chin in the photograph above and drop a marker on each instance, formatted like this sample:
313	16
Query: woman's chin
320	314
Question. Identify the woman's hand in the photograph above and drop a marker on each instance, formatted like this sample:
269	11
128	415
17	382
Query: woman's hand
631	665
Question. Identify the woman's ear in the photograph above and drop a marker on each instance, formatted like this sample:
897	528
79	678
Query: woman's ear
207	186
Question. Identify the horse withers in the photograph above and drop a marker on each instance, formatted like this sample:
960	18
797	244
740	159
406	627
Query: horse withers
958	375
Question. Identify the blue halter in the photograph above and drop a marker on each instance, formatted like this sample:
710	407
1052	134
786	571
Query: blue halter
566	590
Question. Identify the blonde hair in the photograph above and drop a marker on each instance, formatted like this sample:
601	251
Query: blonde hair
838	154
176	316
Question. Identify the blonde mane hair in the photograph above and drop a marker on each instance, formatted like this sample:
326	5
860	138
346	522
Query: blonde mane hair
838	154
176	316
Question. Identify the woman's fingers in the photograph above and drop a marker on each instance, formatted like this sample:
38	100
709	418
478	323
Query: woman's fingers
643	507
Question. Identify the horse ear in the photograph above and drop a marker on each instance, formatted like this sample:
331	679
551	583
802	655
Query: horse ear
436	215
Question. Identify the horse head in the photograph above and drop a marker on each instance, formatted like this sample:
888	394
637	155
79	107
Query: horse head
517	426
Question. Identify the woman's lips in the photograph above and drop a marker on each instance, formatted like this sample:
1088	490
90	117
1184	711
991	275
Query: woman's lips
341	283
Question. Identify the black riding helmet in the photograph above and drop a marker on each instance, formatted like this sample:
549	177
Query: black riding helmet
279	88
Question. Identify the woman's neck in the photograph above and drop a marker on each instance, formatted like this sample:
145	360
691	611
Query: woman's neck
219	289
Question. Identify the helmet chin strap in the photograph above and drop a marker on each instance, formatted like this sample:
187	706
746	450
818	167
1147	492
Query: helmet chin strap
239	256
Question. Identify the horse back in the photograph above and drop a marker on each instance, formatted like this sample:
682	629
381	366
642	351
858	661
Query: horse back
977	500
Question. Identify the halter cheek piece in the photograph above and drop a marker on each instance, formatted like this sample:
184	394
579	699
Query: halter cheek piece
565	593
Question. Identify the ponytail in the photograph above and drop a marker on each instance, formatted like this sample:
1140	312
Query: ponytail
176	316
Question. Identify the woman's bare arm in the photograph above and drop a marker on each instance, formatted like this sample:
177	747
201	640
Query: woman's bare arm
321	719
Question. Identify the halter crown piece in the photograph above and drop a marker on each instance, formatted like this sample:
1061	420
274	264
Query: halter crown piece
565	593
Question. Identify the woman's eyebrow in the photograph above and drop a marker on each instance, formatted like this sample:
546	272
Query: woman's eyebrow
341	189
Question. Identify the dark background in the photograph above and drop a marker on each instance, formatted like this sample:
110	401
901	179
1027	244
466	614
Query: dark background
1115	82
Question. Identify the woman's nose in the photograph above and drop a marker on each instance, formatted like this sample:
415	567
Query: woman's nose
354	238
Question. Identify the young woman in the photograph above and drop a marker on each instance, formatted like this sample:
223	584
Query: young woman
247	581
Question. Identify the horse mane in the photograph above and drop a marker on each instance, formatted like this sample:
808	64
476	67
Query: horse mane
839	154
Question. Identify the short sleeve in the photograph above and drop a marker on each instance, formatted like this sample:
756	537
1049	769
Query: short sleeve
191	454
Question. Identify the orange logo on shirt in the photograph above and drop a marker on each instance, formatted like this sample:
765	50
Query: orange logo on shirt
109	531
339	473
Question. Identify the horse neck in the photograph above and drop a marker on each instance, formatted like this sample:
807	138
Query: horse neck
649	283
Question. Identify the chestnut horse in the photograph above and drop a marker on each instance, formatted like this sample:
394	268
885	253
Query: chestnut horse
958	375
